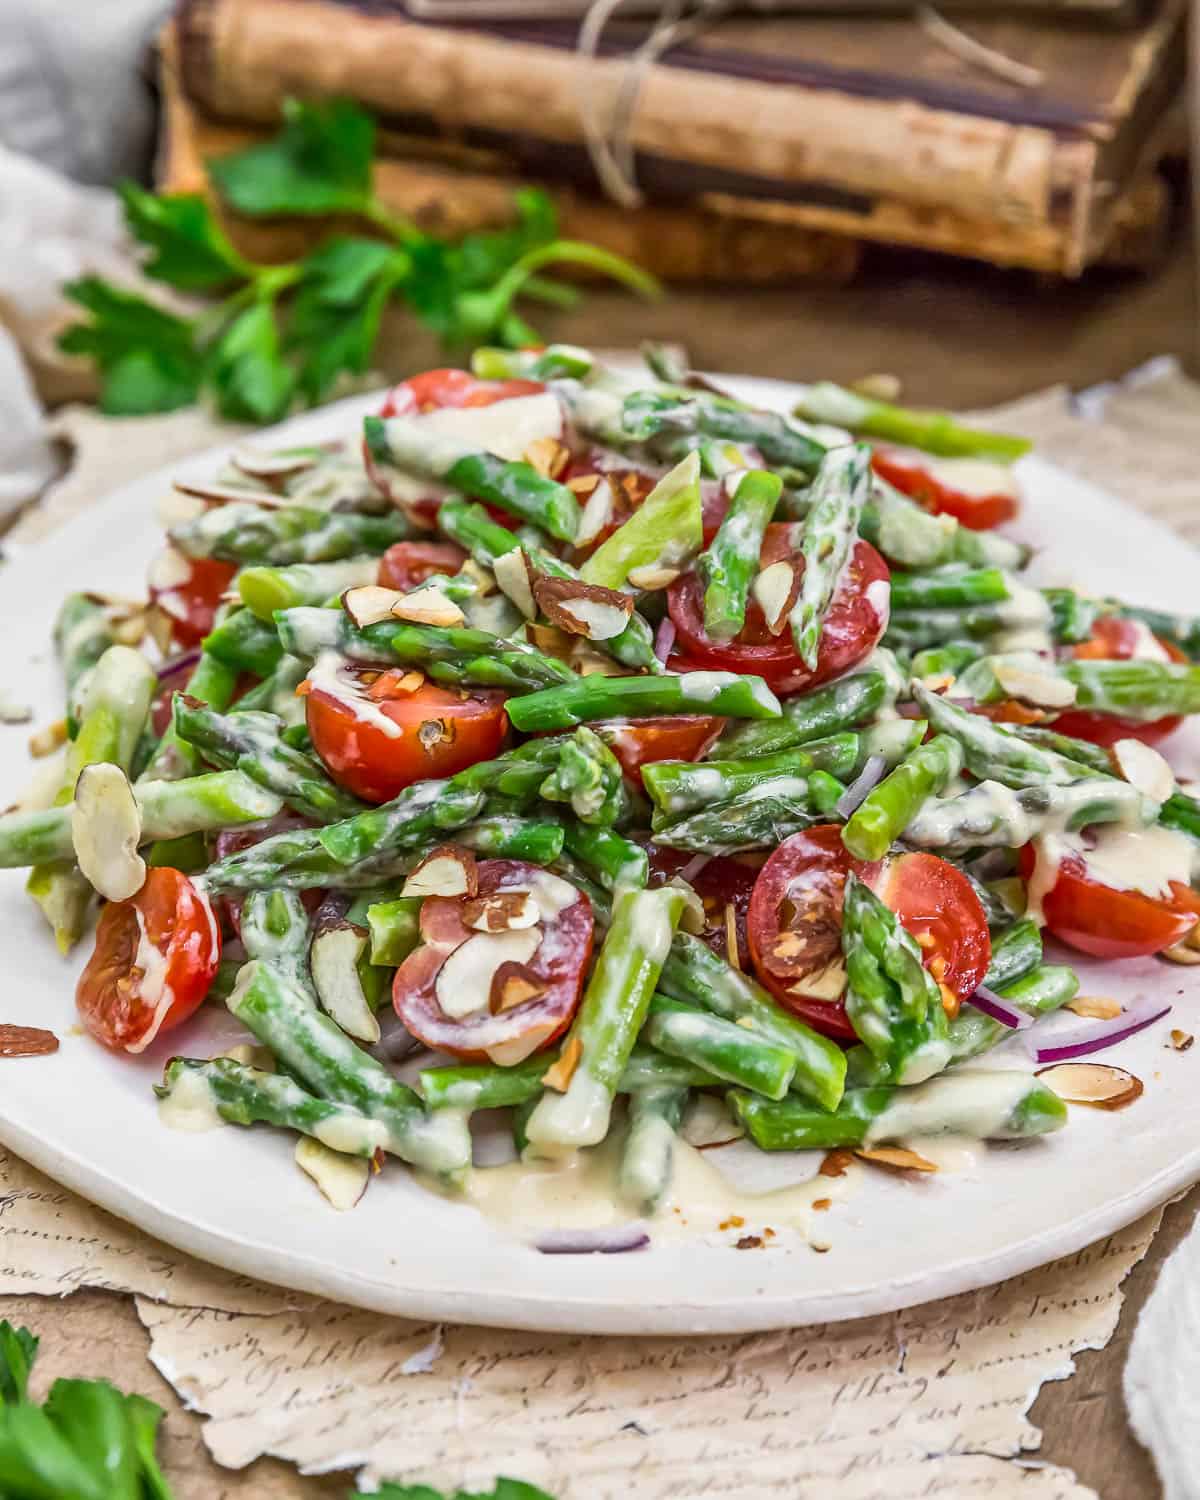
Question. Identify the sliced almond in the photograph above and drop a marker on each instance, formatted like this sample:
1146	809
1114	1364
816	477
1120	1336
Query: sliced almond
513	985
409	682
514	579
709	1124
559	1074
161	628
1035	687
835	1163
428	606
445	871
597	512
589	663
693	918
1181	1040
26	1041
582	608
774	591
583	484
828	983
651	578
106	828
502	911
1181	953
482	577
898	1158
250	1055
548	456
1144	768
1098	1084
369	603
342	1179
46	741
516	1049
732	947
551	640
230	494
129	630
464	982
1095	1007
261	465
168	569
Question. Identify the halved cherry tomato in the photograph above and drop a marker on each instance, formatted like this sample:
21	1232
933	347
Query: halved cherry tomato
407	565
641	741
155	957
979	493
191	604
856	620
1114	639
795	922
627	489
525	1002
437	731
726	880
437	388
1097	919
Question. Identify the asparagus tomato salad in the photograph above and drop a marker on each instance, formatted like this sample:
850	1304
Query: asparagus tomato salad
632	751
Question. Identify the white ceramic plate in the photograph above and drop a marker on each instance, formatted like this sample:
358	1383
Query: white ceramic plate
235	1197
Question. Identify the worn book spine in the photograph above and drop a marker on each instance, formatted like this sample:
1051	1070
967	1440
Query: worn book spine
241	58
677	243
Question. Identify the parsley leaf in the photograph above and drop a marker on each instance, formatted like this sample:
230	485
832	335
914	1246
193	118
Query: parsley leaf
18	1350
335	317
505	1489
249	377
147	357
319	163
190	248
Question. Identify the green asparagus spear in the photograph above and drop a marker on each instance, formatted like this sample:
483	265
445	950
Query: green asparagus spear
250	743
213	682
265	589
405	445
275	928
1080	752
554	362
992	752
246	643
681	786
892	1000
83	632
991	815
988	1106
648	1151
616	862
507	836
1016	951
608	1021
589	779
837	706
939	662
758	819
935	431
591	698
286	534
694	973
891	806
723	1048
273	695
394	927
728	566
645	414
839	493
949	590
1134	689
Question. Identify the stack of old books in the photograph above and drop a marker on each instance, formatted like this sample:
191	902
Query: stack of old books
760	146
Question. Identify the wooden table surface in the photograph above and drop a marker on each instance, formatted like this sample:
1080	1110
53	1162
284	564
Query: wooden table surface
956	336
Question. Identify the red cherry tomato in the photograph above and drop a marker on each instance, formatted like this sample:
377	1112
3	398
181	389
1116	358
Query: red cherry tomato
191	604
627	488
155	957
1114	639
636	744
407	565
1096	919
438	731
437	388
525	1000
852	629
795	922
726	880
980	494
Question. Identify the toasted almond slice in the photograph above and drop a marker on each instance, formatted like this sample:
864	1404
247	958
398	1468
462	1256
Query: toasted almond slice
1181	1040
513	985
502	911
548	456
261	465
559	1074
835	1163
12	712
1095	1007
445	871
1181	953
583	484
128	630
517	1048
582	608
551	640
1144	768
342	1179
828	983
597	512
428	606
46	741
709	1124
26	1041
106	828
589	663
1035	687
653	578
250	1055
483	577
1097	1084
732	948
693	918
161	628
369	603
774	591
230	494
168	569
409	683
899	1158
514	579
464	982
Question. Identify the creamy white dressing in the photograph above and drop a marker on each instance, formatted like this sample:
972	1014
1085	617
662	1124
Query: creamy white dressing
879	597
329	674
649	928
778	786
1147	646
705	686
1137	859
973	476
353	1134
1025	617
563	1123
978	1103
153	965
190	1105
948	1153
505	428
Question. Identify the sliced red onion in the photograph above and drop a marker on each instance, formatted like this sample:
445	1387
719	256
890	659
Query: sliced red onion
395	1040
865	782
614	1239
694	866
1084	1040
665	638
999	1009
178	667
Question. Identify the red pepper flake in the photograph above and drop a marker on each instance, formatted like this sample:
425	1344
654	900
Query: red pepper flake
821	1204
835	1163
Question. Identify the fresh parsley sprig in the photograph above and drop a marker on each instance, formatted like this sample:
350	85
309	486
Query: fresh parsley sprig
279	335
